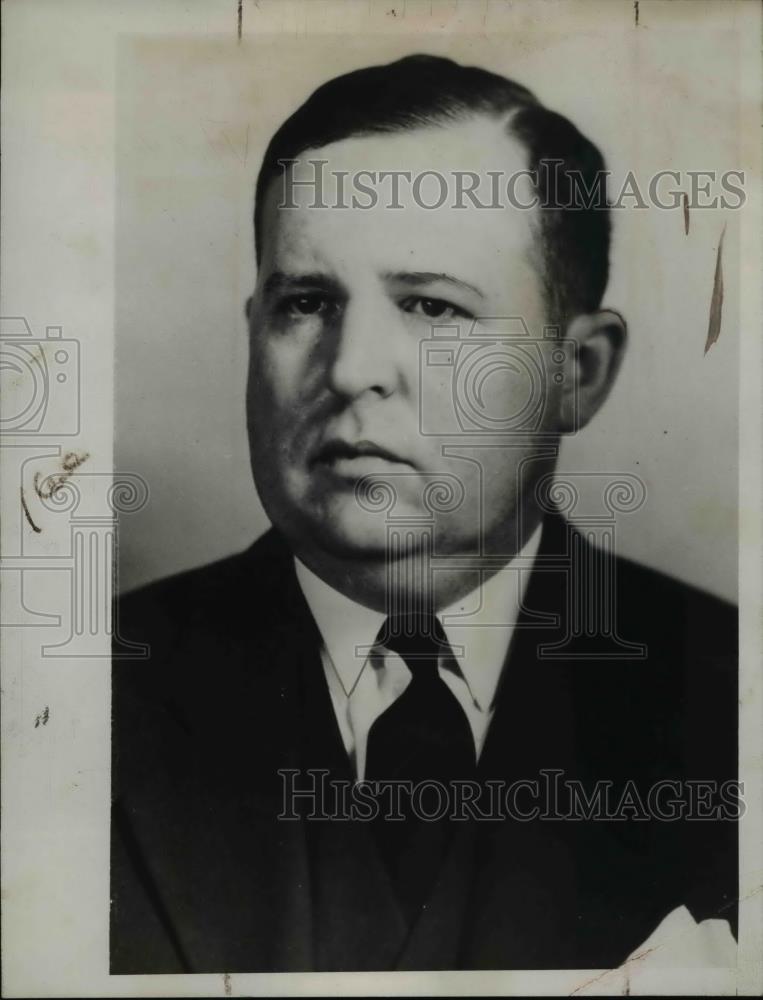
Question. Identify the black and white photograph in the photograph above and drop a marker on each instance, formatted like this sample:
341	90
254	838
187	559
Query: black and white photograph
382	498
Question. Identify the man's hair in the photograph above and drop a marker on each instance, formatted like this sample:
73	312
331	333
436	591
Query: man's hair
423	91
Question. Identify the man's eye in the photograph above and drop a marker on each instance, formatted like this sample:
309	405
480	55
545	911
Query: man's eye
310	304
432	308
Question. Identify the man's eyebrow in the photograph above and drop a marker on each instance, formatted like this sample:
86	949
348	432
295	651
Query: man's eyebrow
278	281
418	278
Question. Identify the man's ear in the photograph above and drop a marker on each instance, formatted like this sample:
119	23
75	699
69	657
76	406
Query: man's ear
600	345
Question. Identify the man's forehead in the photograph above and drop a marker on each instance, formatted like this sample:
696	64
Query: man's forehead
477	145
378	217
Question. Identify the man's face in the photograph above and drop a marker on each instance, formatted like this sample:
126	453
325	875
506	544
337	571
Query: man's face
343	383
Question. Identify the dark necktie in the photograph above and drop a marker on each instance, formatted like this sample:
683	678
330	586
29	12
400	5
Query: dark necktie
424	736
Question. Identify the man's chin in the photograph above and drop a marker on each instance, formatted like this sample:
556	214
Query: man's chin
351	535
347	531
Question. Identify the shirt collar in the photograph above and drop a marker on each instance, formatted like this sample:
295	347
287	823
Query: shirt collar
479	626
348	629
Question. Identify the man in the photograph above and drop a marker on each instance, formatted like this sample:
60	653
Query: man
421	625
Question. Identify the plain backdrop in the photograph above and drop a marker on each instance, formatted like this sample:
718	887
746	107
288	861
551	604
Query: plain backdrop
193	116
126	197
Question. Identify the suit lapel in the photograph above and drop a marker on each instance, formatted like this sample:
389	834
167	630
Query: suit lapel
533	720
552	892
356	921
523	881
253	735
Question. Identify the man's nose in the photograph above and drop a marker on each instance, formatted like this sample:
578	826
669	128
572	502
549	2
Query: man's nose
368	351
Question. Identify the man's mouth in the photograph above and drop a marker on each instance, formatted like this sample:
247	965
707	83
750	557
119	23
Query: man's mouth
357	459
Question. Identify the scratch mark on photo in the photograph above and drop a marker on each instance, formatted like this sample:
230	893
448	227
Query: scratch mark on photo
716	302
28	516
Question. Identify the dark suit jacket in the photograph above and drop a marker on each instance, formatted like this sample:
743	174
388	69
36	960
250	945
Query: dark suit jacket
206	878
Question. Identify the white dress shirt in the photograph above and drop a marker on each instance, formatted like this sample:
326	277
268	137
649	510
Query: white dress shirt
364	678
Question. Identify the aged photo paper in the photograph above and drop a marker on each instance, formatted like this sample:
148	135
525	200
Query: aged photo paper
380	564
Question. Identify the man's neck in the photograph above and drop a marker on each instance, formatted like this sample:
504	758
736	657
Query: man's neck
409	580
